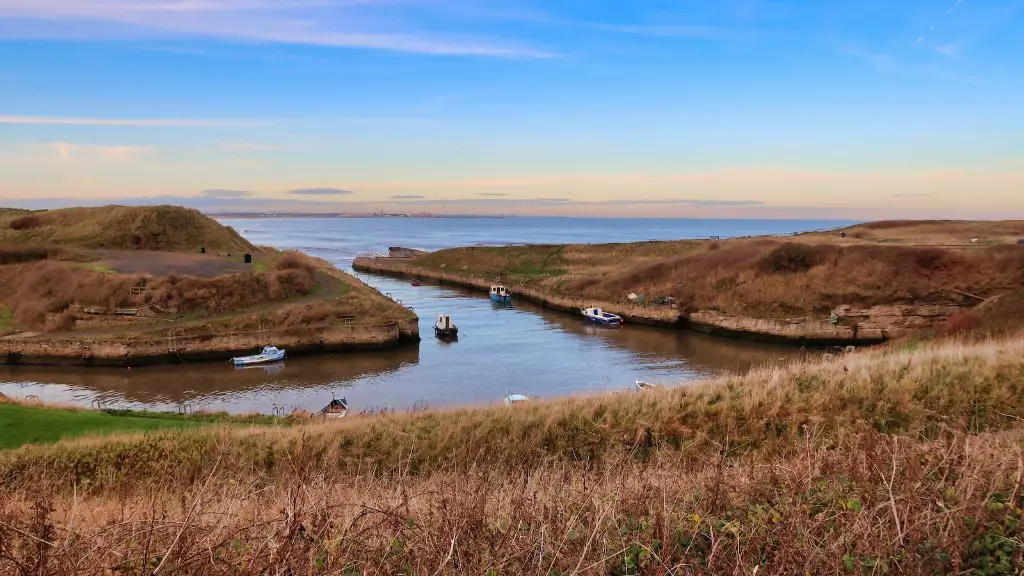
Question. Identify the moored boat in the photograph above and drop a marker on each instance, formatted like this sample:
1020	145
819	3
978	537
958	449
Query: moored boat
642	385
338	408
513	399
268	355
445	329
500	295
599	316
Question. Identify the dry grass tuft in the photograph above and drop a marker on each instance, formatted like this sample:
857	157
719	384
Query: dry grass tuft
26	223
900	461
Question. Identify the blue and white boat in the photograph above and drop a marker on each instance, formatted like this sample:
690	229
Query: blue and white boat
500	295
268	355
598	316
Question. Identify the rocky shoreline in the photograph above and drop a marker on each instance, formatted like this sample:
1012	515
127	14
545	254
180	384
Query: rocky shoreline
143	351
853	326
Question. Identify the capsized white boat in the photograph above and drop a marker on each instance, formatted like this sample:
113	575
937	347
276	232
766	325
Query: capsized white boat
268	355
513	399
641	385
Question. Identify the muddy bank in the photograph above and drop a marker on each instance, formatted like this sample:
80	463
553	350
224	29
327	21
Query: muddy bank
141	351
853	326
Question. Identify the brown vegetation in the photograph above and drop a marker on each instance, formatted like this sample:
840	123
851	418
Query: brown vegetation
39	289
26	223
806	276
895	462
23	254
121	227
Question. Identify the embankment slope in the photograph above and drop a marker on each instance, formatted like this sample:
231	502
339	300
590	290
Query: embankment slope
882	280
905	458
123	286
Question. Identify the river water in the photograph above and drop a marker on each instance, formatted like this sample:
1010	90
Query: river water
522	349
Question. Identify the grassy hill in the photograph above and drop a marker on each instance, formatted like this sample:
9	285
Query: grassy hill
898	461
807	275
120	228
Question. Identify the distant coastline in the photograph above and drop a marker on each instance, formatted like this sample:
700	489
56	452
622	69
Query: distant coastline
259	215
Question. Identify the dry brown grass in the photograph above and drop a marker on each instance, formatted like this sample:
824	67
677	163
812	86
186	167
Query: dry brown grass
48	287
121	227
808	275
22	254
26	223
901	461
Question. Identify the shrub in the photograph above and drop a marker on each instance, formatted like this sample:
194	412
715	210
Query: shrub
790	258
62	322
30	313
960	323
24	254
26	223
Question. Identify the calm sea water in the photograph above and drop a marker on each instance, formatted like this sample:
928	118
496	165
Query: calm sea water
522	349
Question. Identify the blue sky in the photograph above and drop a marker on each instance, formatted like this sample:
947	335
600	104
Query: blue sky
737	108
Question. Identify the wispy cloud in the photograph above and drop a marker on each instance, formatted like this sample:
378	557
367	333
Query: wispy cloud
911	195
408	197
336	23
79	121
320	192
949	50
495	194
226	194
68	150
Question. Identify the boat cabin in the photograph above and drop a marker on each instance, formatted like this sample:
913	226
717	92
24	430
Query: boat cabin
444	322
500	292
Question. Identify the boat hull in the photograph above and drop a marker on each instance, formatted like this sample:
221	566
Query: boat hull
446	333
604	321
258	359
501	299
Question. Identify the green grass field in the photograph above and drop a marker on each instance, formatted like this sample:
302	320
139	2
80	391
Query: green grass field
20	424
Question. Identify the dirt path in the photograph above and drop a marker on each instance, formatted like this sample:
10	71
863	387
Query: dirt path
153	263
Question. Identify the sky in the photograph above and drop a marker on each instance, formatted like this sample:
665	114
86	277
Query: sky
865	109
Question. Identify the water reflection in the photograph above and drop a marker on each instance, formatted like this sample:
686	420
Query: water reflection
209	385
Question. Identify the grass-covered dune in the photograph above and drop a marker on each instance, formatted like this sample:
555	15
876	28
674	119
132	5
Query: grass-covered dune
125	281
897	461
170	228
971	272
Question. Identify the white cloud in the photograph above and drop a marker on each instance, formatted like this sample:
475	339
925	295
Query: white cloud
339	23
947	49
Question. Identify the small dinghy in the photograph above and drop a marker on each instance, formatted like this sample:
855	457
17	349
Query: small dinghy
500	295
268	355
641	385
513	399
602	318
417	283
445	329
336	409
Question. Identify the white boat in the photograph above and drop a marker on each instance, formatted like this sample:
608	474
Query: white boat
268	355
641	385
599	316
513	399
445	329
